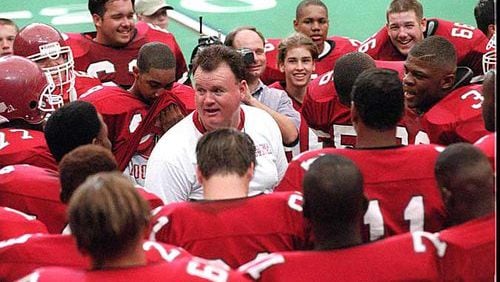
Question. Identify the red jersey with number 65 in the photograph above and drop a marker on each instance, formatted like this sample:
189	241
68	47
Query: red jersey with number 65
115	64
25	146
335	47
401	196
407	257
235	230
457	117
470	43
331	120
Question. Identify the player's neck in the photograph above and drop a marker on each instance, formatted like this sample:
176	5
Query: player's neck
296	92
222	187
369	138
132	257
337	238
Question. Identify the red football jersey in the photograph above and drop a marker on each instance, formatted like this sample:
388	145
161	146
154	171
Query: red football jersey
339	46
401	199
487	145
308	140
115	64
331	119
234	231
35	191
407	257
25	146
189	269
470	43
123	113
83	83
14	223
457	117
470	252
22	255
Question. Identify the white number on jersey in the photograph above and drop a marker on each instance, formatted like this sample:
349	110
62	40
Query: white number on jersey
476	96
199	268
295	202
348	130
25	134
462	30
255	267
326	78
166	255
370	43
414	213
419	246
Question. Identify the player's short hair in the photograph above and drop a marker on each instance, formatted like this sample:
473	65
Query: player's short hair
484	12
107	216
5	21
225	151
155	55
229	41
437	52
74	124
304	3
211	57
466	179
99	6
333	190
80	163
400	6
459	159
293	41
347	69
378	98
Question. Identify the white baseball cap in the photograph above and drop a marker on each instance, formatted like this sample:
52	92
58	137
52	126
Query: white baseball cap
149	7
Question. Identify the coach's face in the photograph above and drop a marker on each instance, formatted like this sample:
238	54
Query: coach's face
218	97
116	26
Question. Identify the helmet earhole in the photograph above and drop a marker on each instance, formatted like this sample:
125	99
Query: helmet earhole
33	104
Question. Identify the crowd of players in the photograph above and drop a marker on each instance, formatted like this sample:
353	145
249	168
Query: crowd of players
300	158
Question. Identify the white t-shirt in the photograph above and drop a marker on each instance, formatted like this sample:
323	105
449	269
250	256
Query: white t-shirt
171	173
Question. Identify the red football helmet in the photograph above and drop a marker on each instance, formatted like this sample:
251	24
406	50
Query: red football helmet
22	84
45	46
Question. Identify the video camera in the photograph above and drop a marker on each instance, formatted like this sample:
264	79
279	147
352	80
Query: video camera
247	54
203	42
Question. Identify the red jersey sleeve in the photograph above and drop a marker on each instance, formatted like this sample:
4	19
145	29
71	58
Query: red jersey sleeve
456	118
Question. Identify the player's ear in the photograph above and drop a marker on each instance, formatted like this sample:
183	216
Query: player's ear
135	71
448	81
354	114
296	24
243	86
423	24
250	172
282	67
97	20
199	176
